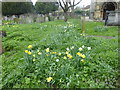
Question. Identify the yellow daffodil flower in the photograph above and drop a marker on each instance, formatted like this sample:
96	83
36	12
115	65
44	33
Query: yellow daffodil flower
38	50
34	55
47	50
81	55
49	79
83	60
30	46
29	52
39	53
64	57
59	54
70	56
34	60
26	51
67	52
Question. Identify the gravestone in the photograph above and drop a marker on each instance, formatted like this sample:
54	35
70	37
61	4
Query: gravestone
29	20
61	17
22	19
40	18
113	18
46	19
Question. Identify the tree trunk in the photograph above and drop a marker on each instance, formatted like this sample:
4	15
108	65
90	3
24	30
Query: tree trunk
73	15
65	16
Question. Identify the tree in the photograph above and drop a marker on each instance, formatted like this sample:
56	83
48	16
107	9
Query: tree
17	8
46	8
66	5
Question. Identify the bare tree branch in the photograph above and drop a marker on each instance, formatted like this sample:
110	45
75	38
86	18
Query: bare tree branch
75	4
61	5
66	5
63	2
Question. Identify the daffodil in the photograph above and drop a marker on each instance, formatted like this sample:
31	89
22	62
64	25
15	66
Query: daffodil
67	49
83	46
89	48
72	47
80	49
29	52
30	46
34	60
57	60
59	54
49	79
67	52
26	51
81	55
34	55
64	57
47	50
38	50
83	60
39	53
69	56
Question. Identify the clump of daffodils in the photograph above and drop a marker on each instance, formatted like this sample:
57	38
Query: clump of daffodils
81	55
69	56
28	52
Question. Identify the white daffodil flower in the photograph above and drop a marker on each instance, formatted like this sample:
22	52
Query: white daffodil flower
57	60
89	48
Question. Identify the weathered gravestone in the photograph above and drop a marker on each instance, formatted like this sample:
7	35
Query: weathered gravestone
61	17
29	20
113	18
46	19
40	18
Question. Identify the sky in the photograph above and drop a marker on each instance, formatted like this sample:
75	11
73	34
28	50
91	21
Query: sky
83	3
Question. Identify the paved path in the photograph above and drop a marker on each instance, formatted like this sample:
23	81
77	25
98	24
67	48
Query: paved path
0	46
105	37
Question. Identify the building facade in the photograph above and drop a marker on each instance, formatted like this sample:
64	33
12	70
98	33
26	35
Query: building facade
100	9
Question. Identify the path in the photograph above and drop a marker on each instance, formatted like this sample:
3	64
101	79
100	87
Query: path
1	46
106	37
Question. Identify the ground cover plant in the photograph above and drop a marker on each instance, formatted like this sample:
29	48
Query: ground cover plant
57	55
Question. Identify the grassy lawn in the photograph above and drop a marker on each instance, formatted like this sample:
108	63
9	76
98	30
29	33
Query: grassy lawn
59	56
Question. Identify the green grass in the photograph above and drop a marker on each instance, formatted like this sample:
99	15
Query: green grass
98	71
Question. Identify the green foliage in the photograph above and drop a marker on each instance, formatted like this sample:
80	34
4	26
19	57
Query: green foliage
16	8
45	7
100	29
31	70
81	12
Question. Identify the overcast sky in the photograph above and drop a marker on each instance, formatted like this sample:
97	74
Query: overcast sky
84	2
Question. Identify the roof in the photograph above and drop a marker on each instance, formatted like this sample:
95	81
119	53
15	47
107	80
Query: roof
87	7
